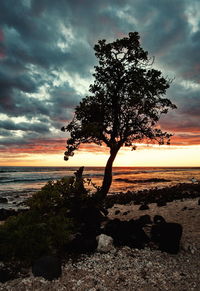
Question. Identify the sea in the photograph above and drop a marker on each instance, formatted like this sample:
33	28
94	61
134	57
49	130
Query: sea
19	183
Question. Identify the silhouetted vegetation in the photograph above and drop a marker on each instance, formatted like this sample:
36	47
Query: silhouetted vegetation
125	104
55	212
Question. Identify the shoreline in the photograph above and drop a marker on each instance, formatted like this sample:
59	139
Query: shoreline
161	195
146	196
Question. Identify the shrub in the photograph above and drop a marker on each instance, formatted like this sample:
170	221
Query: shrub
46	227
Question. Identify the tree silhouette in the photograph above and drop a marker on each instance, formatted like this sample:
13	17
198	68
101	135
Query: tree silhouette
125	104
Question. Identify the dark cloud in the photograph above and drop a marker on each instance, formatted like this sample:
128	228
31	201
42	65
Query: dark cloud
24	126
186	117
46	57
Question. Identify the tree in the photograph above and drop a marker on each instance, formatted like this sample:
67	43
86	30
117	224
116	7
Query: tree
125	104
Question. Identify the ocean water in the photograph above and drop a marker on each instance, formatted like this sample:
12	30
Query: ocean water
17	183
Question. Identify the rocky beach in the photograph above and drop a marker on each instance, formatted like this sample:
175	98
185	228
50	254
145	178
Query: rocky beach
125	268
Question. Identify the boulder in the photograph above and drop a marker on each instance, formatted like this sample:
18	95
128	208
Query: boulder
105	243
128	233
138	237
83	243
166	235
48	267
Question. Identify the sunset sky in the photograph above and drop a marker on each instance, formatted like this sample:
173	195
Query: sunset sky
46	65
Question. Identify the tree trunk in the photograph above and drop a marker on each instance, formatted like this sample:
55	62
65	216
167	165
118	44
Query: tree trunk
107	180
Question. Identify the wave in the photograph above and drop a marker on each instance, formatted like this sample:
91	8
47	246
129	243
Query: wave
93	175
159	170
25	180
118	173
8	171
34	169
96	171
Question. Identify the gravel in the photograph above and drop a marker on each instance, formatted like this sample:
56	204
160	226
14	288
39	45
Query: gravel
132	269
121	269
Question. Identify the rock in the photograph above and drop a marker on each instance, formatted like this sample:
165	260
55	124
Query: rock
144	207
199	202
161	203
138	237
166	234
128	233
3	200
125	213
184	208
48	267
117	212
5	275
105	243
188	247
8	272
144	220
83	243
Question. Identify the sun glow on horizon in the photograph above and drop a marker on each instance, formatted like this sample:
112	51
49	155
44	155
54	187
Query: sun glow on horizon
144	156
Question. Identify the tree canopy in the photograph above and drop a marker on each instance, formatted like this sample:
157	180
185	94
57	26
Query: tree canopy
126	100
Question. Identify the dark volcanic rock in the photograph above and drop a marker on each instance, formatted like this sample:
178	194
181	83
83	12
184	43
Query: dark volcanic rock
9	271
48	267
83	243
161	203
166	234
128	233
144	207
153	180
117	212
3	200
169	194
5	275
126	212
184	208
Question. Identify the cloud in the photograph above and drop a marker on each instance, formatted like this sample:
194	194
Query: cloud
186	117
24	126
47	57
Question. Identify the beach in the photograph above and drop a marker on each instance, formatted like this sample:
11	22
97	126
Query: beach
124	268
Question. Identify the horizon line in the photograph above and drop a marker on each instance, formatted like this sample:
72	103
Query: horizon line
100	166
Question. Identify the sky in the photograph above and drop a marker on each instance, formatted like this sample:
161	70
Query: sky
46	65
